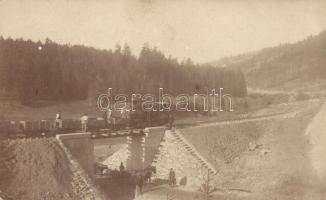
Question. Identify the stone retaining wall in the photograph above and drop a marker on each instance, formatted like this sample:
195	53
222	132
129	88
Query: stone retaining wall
82	149
82	184
174	153
113	162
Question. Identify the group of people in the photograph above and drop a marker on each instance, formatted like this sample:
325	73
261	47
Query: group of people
140	180
83	119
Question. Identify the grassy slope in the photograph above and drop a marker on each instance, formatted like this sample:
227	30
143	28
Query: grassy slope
284	172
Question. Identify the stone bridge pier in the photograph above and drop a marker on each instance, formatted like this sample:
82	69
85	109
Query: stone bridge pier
140	151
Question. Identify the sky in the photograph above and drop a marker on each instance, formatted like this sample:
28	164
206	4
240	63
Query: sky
203	30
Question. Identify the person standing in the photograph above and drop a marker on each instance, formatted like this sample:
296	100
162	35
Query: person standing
171	121
109	113
84	122
172	179
139	185
107	118
58	121
122	167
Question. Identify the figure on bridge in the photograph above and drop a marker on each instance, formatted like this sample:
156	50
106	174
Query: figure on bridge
107	118
58	121
171	121
84	122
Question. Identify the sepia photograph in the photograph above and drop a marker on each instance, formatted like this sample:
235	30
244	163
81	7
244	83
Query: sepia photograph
162	100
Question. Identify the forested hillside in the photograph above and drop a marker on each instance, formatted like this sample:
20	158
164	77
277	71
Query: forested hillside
299	66
49	71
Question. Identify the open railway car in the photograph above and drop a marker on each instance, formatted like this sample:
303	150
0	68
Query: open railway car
136	119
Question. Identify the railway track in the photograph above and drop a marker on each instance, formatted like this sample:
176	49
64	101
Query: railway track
95	134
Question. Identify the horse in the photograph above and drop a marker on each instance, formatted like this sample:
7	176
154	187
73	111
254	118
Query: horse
148	172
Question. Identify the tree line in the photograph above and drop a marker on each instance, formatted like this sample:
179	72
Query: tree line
50	71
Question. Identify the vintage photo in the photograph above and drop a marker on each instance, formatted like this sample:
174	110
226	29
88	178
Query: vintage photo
162	100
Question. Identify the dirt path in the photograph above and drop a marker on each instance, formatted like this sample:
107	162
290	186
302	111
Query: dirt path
251	119
316	132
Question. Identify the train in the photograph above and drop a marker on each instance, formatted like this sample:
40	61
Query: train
118	120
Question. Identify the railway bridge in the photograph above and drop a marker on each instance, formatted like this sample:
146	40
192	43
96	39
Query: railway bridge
142	145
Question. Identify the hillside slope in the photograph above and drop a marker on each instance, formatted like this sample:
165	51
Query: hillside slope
40	171
268	157
300	66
